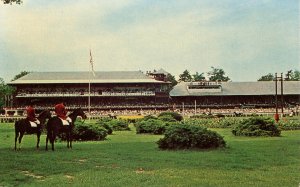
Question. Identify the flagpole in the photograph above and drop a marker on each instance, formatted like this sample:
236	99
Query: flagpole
91	71
89	98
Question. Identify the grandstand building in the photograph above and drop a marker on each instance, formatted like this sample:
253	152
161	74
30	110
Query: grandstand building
122	90
235	94
106	90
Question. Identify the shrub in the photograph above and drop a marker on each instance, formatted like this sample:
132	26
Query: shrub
119	125
289	124
107	126
202	116
256	126
153	126
181	136
167	118
175	115
105	119
86	132
213	123
148	117
105	123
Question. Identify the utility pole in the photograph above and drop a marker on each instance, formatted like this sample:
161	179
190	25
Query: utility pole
282	102
276	116
276	100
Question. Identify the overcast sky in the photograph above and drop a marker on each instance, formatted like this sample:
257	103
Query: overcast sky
246	38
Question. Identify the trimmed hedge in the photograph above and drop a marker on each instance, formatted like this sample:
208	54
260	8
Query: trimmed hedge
85	132
153	126
256	126
119	125
179	136
113	124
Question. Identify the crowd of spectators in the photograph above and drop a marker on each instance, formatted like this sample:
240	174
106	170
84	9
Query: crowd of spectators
75	92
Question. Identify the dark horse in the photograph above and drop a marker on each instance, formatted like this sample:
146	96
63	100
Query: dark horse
55	126
23	126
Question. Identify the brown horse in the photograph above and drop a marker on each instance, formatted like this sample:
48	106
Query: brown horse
55	127
23	126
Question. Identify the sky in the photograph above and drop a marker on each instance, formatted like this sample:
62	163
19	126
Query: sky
245	38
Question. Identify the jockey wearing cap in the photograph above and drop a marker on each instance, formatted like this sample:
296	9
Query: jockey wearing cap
31	116
61	112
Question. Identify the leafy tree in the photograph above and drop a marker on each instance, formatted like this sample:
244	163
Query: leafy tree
171	79
217	74
185	76
198	77
12	1
4	91
23	73
294	75
268	77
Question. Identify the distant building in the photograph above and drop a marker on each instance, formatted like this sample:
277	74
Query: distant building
136	90
159	75
235	94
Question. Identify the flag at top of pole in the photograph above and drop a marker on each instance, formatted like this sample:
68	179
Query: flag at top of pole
92	63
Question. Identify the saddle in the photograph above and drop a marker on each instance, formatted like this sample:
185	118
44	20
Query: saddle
34	123
67	121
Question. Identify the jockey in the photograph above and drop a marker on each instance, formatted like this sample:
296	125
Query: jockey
31	115
61	112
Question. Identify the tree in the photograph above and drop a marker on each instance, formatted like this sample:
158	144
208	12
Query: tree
294	75
23	73
217	75
268	77
171	79
198	77
185	76
12	1
5	90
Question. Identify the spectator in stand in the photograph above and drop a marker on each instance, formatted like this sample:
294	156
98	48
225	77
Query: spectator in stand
61	112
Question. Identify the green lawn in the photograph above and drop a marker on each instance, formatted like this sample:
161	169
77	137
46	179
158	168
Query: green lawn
128	159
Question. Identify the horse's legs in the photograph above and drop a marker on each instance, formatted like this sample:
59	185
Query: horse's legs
68	140
47	142
71	140
16	138
53	137
38	134
20	139
70	136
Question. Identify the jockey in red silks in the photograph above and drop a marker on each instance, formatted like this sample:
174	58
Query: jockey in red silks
61	112
31	116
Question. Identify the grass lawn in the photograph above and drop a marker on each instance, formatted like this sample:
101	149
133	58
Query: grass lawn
128	159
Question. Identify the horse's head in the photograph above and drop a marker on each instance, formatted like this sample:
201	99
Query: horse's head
79	112
46	114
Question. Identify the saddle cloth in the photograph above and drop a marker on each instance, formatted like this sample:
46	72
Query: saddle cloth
34	123
66	121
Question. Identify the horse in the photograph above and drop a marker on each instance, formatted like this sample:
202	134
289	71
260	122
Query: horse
55	126
23	126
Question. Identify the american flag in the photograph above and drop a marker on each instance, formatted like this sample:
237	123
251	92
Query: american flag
92	63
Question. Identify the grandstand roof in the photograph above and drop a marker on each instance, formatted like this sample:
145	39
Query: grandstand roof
240	88
85	77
